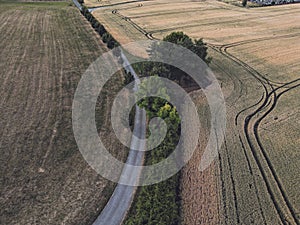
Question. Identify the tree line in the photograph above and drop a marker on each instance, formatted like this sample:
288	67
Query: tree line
159	204
100	29
197	46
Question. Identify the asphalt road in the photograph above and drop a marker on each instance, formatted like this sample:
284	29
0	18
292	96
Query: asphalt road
77	5
120	201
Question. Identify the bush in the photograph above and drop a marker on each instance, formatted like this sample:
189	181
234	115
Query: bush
128	78
111	43
158	204
101	30
106	37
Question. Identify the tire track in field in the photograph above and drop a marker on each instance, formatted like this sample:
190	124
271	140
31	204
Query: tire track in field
286	85
269	97
270	166
172	11
133	24
218	49
237	85
149	34
273	171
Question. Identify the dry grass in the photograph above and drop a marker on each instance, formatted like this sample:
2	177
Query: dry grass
45	47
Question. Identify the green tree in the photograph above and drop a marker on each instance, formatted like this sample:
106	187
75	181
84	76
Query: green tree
101	30
152	86
106	37
197	46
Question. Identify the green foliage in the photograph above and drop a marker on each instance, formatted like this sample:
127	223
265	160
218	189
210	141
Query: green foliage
153	86
85	11
111	43
179	38
197	46
128	78
106	37
244	3
101	30
158	204
96	25
167	111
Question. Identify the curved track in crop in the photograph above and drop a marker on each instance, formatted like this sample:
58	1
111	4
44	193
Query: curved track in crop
272	93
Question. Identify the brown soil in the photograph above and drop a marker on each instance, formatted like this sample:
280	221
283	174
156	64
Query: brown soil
198	189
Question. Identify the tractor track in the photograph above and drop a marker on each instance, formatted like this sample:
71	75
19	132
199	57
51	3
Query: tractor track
273	171
269	99
268	161
237	84
135	25
218	49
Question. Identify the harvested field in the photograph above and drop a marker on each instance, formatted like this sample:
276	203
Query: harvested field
256	60
45	48
101	3
256	168
214	21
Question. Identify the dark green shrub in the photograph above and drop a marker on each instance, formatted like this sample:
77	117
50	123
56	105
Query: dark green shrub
106	37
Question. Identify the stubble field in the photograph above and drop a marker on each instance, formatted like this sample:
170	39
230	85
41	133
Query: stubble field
45	48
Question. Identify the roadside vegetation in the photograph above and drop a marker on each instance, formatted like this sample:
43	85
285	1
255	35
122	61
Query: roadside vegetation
99	28
150	203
